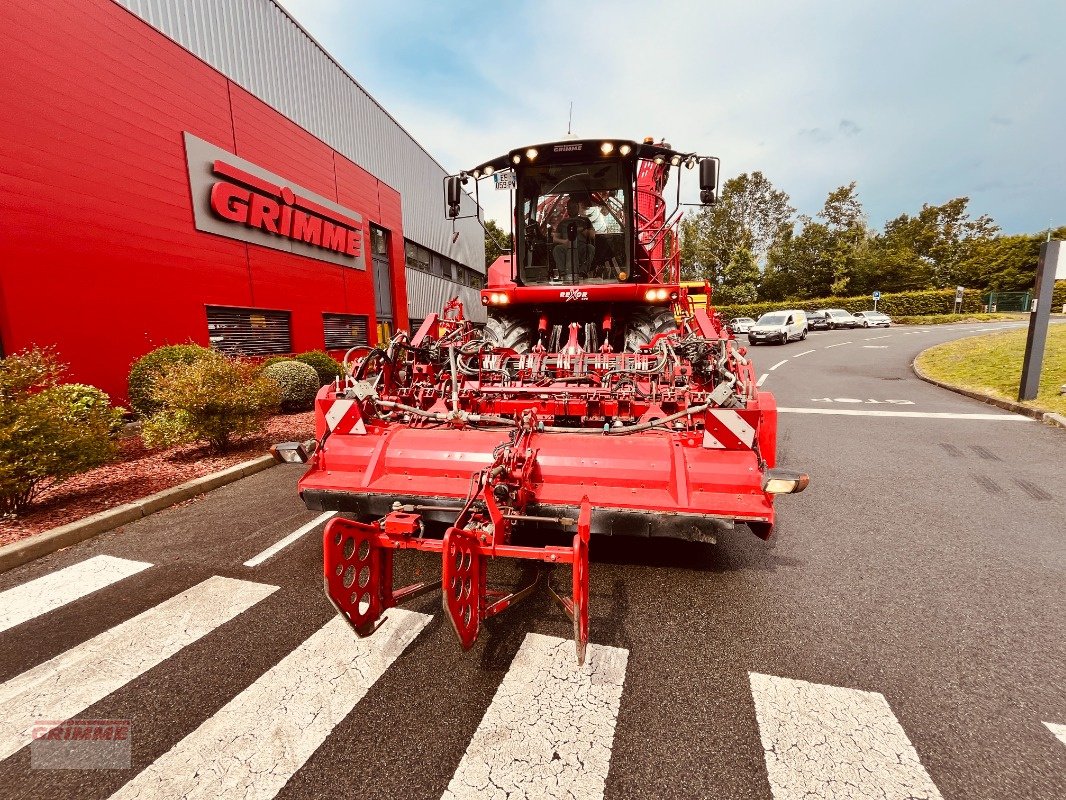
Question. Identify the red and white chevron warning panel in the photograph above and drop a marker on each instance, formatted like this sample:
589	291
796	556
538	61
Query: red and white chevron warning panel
727	429
344	417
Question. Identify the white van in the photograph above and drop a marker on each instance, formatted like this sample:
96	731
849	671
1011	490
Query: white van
779	327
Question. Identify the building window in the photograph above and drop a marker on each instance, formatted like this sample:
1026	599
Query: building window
378	241
417	257
344	330
249	331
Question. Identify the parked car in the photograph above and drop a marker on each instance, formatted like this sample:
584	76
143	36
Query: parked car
817	321
779	327
740	325
839	318
873	319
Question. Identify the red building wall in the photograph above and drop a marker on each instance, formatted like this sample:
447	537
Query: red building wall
99	255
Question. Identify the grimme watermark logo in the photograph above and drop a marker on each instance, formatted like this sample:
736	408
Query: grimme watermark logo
80	744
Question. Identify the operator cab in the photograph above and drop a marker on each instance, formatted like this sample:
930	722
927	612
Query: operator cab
573	223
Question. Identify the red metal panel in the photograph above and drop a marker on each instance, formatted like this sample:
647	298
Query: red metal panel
98	253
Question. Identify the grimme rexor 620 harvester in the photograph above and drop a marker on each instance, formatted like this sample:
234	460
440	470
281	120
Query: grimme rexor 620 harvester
596	400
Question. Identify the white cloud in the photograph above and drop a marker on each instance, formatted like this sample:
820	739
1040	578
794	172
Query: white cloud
908	99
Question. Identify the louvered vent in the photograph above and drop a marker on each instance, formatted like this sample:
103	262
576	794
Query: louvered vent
344	330
249	331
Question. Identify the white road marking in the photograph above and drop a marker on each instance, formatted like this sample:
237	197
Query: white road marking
805	352
838	344
830	742
778	364
253	745
549	730
874	338
72	681
762	378
875	347
277	547
47	593
1058	730
921	414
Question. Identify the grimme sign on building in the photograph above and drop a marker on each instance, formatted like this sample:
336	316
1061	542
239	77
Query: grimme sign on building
241	200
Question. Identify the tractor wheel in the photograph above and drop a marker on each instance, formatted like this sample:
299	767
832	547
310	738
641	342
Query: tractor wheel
508	332
646	324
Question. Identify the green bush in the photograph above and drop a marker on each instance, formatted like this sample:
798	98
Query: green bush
48	431
266	362
150	366
327	367
212	400
299	384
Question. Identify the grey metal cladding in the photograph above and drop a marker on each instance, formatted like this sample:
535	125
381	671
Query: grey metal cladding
427	294
247	40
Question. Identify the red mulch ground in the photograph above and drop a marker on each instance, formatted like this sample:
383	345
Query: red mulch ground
140	472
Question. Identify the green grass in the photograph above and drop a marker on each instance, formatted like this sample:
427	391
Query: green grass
939	319
993	363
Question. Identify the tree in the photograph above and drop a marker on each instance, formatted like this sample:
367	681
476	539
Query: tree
751	214
740	278
497	242
936	247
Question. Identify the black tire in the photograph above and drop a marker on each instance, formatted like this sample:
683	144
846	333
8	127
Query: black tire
509	332
751	341
803	335
647	323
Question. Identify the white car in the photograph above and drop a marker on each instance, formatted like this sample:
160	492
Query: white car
779	327
839	318
741	325
873	319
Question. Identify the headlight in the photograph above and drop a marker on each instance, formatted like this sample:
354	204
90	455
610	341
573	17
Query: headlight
293	452
625	149
783	481
606	148
531	153
660	294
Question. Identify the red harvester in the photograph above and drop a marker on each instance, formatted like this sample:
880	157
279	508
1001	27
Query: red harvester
597	399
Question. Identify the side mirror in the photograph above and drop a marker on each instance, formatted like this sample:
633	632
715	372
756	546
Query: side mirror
708	180
453	192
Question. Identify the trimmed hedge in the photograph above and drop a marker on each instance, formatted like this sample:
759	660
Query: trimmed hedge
902	304
149	367
936	301
299	384
327	367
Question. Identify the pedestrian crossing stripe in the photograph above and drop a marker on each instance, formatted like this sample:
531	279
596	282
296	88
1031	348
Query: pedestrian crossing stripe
76	679
317	685
56	589
548	732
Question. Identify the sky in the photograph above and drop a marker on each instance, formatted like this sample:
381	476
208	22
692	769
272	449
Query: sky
916	102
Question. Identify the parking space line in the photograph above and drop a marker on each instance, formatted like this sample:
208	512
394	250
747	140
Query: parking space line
76	679
778	364
874	338
852	412
47	593
829	741
838	344
549	730
277	547
805	352
1058	730
316	686
762	378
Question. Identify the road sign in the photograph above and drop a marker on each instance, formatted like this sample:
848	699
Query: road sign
877	295
505	179
958	294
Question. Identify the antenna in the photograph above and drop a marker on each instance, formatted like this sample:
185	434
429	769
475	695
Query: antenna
570	119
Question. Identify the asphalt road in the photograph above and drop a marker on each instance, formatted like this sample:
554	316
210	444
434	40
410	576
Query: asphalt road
902	635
